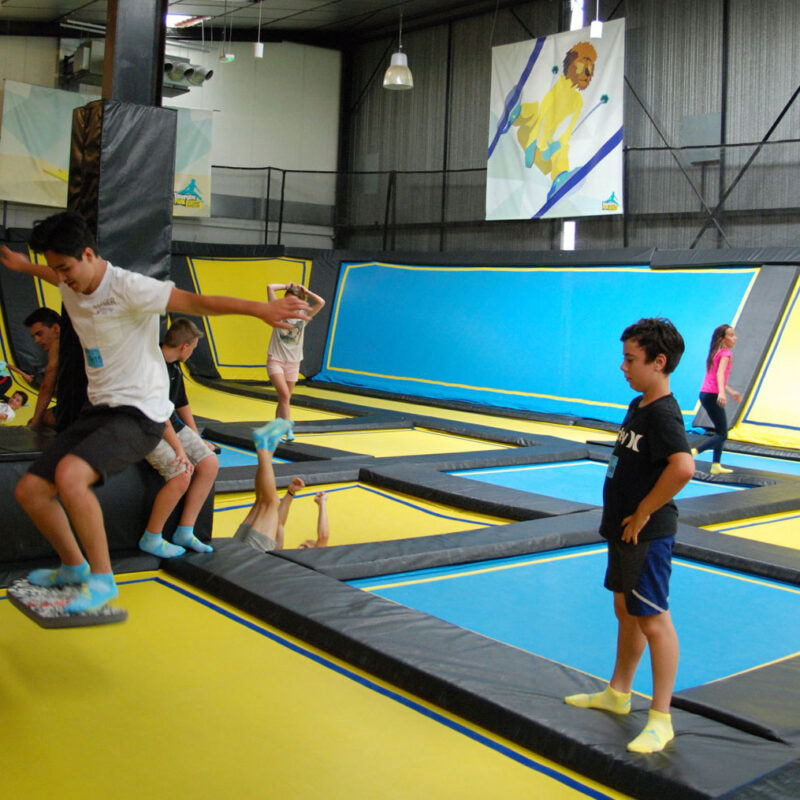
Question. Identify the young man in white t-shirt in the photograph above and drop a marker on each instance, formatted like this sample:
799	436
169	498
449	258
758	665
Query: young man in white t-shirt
115	314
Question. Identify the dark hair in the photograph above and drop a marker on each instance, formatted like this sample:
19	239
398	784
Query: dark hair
657	335
716	344
23	395
297	291
45	315
67	234
182	331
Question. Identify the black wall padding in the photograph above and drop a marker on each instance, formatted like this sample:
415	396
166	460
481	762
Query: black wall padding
731	506
201	362
367	560
729	257
765	700
242	431
510	692
734	552
126	501
18	299
756	327
122	165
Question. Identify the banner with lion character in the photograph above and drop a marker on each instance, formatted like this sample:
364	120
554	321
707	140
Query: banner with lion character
555	128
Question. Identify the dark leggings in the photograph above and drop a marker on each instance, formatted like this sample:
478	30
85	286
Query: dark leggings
717	413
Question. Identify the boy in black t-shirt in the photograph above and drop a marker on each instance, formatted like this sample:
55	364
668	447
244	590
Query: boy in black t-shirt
650	464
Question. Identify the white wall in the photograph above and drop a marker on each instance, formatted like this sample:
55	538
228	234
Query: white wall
28	59
279	111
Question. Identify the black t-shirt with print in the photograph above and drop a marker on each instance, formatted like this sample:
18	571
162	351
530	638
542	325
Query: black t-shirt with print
647	438
177	393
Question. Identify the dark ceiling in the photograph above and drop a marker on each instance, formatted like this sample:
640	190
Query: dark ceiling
332	22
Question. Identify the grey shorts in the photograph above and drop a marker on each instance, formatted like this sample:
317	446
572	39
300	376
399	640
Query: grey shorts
256	540
162	456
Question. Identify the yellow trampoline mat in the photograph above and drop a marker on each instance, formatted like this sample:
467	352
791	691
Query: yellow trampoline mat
191	698
771	415
356	514
572	432
400	442
240	343
779	529
229	407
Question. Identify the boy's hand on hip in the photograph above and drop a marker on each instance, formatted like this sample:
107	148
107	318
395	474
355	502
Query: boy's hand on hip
632	525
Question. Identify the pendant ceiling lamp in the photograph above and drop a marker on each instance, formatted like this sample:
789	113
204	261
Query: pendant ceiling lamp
398	75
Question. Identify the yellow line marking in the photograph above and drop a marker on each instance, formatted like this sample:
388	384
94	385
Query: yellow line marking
467	573
756	581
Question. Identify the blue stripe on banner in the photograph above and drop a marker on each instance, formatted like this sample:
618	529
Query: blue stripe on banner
581	172
516	93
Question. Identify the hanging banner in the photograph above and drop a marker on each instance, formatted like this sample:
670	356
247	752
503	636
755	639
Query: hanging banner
555	126
35	145
192	196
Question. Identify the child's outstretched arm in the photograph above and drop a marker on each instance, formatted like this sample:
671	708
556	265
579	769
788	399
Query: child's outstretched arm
676	475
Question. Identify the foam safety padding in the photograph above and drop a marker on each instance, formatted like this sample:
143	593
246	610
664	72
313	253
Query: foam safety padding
756	502
122	164
765	701
242	479
349	562
508	691
734	552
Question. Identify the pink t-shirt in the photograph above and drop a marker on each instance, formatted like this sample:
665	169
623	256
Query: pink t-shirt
710	382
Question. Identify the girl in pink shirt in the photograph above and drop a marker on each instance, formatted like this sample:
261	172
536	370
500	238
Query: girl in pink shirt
713	395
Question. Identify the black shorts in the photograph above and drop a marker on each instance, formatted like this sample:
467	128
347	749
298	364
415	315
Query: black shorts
108	439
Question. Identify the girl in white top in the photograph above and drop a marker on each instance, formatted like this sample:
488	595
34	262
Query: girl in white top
285	351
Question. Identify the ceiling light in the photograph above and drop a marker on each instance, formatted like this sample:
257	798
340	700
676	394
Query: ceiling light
398	75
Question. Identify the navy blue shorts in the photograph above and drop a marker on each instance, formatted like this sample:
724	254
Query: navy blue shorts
641	572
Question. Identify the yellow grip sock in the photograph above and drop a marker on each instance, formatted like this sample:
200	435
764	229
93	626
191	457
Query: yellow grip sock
607	700
656	734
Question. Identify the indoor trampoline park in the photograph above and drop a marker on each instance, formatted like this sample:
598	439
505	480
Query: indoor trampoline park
393	594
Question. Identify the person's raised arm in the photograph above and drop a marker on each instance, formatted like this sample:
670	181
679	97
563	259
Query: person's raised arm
275	287
17	262
201	305
677	473
317	302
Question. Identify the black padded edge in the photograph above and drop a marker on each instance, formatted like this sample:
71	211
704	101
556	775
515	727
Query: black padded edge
780	784
730	506
513	693
734	552
729	257
349	562
766	700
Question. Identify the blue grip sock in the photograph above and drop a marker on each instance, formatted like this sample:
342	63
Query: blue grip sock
267	436
96	592
184	536
154	544
63	576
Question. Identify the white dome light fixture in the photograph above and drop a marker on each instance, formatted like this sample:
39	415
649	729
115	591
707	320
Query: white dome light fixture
398	75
